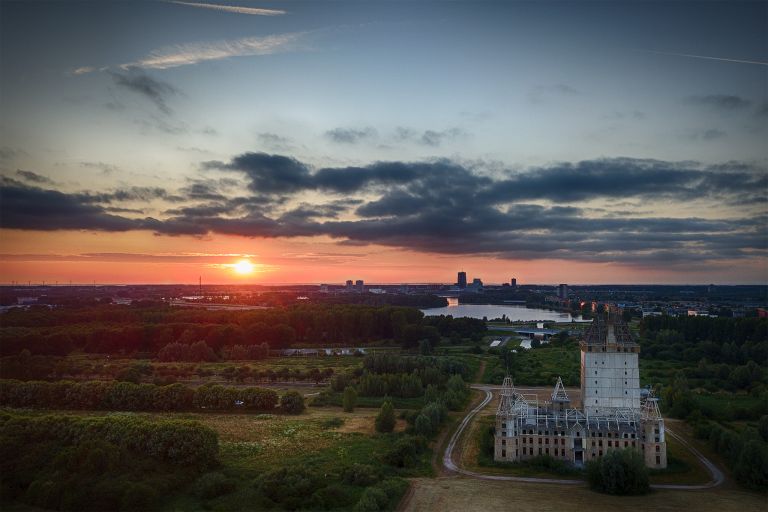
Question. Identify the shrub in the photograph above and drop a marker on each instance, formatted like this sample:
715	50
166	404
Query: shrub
213	485
385	421
334	422
405	452
423	426
381	496
360	474
619	472
349	399
292	402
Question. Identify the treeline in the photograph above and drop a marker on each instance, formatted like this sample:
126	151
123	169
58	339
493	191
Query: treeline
436	379
146	330
127	396
107	463
27	367
722	340
745	451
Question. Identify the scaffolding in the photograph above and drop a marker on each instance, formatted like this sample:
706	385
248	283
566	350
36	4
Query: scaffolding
527	411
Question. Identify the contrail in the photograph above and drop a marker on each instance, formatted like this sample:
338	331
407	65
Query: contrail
230	8
707	57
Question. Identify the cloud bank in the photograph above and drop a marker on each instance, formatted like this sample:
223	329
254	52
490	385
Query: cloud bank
440	206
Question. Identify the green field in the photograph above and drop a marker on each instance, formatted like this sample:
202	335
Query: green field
327	440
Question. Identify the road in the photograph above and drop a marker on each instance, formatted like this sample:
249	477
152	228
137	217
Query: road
450	465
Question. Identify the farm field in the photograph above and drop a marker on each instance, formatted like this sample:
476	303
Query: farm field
459	494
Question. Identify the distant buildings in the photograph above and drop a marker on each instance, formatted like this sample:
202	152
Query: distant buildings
476	286
513	283
462	280
562	291
359	286
350	285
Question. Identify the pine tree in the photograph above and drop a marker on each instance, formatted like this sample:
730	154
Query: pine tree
385	421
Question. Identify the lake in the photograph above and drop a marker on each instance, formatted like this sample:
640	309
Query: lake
490	311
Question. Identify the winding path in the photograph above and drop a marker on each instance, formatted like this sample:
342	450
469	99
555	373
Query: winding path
717	475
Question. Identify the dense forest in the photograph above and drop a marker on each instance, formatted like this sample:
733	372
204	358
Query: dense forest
690	338
146	329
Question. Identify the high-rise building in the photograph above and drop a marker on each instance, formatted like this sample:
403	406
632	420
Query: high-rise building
513	283
562	291
349	285
462	281
359	286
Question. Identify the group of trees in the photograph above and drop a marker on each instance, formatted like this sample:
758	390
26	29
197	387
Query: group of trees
400	376
148	329
733	341
107	463
126	396
744	450
619	472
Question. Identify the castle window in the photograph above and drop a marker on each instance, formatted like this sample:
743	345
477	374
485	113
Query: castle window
601	453
547	451
503	453
658	460
539	451
626	443
593	444
658	448
503	442
595	370
609	443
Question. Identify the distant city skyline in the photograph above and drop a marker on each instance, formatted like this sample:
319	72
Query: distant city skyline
396	142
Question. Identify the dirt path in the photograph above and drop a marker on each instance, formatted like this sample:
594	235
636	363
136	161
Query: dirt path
717	475
480	372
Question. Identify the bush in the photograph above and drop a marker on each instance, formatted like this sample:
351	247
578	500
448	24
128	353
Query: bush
619	472
349	399
360	474
334	422
213	485
405	452
292	402
423	426
385	421
382	496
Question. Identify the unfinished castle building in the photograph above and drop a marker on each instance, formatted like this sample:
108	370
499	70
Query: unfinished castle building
613	413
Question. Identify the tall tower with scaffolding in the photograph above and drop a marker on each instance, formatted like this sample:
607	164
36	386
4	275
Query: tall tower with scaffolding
614	414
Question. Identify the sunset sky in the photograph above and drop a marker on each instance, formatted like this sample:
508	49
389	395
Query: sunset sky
578	142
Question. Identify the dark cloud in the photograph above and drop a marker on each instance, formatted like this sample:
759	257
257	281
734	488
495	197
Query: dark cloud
351	135
445	207
156	91
432	138
101	166
275	142
8	153
725	102
541	93
33	177
711	134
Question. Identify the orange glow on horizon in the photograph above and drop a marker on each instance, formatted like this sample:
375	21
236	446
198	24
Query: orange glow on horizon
243	267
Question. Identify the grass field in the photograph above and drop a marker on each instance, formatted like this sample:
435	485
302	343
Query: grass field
461	494
251	444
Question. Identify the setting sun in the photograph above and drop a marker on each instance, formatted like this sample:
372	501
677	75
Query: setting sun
243	267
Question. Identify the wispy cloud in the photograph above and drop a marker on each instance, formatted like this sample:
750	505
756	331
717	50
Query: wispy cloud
233	8
709	57
193	53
